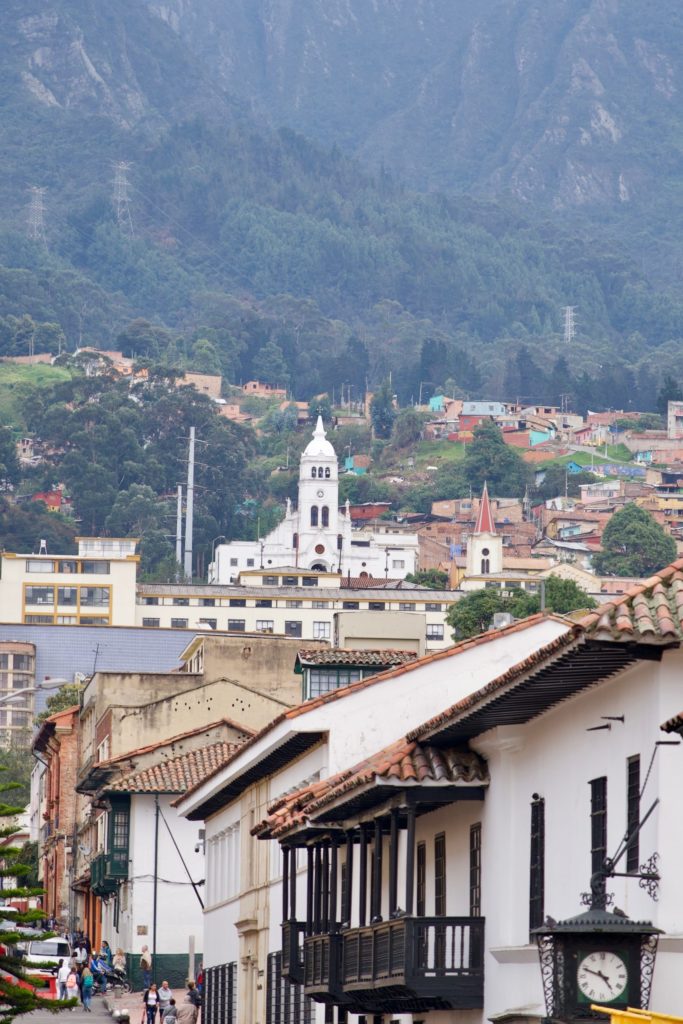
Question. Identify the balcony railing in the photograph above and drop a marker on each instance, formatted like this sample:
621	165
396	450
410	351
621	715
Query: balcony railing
292	951
106	871
322	967
419	963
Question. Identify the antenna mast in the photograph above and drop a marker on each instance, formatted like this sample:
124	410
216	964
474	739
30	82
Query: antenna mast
569	324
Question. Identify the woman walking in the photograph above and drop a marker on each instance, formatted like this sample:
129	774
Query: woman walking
86	987
151	1001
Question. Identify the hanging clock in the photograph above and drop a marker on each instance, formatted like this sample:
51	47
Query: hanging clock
602	976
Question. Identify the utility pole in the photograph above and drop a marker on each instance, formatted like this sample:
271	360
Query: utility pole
189	514
124	217
179	528
36	212
569	324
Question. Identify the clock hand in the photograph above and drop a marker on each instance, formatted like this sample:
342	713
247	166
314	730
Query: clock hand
598	974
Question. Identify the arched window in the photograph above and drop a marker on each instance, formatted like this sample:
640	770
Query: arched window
327	472
314	472
314	515
320	472
485	567
325	515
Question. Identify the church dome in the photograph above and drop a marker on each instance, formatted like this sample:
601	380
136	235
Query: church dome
319	447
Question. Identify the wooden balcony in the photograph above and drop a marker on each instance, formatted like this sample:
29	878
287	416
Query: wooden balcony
414	964
322	968
292	951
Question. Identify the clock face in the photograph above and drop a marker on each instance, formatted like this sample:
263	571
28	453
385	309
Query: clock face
321	494
602	976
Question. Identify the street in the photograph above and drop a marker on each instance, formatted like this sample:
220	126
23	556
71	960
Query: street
98	1012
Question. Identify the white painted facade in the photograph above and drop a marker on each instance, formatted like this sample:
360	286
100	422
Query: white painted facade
317	535
553	756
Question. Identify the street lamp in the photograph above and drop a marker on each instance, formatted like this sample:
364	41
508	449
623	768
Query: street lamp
47	684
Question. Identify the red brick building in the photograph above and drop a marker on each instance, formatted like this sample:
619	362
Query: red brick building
56	745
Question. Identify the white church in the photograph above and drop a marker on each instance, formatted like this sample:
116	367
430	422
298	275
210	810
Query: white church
317	535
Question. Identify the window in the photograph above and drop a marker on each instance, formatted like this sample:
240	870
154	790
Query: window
238	602
212	623
294	604
40	595
236	625
67	566
398	563
310	581
351	605
434	632
67	596
270	581
38	620
321	630
431	606
182	602
93	620
265	625
95	597
234	561
377	606
440	875
485	566
324	680
178	623
537	863
327	472
263	602
421	880
34	565
314	473
325	515
23	663
207	602
290	581
250	563
598	823
150	600
4	660
293	628
95	567
318	604
314	515
632	812
406	606
151	622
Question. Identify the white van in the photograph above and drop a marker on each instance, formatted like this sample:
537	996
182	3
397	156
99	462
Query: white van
44	951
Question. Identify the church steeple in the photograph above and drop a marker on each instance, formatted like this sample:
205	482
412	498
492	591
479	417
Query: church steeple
485	523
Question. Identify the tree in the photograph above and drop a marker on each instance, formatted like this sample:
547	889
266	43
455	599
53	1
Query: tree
137	512
10	471
488	458
407	428
205	358
670	391
382	411
65	697
435	579
473	614
634	544
269	365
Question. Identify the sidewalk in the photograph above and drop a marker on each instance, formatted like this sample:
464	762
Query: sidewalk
79	1015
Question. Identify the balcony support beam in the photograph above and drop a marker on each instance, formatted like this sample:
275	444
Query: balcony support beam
309	890
333	886
363	878
376	889
292	883
317	890
348	894
410	861
393	863
325	916
285	883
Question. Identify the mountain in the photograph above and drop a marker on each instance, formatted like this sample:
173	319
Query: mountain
567	101
288	259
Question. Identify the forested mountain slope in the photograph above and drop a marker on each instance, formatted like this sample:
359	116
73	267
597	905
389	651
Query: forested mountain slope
290	260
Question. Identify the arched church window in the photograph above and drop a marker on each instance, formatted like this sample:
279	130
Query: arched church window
314	515
314	472
320	472
485	566
325	515
327	471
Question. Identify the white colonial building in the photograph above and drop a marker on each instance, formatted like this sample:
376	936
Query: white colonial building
445	810
318	535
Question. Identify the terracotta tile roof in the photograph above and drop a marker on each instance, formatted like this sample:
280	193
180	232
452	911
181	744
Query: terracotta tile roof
343	656
391	673
177	774
548	652
674	724
651	611
150	747
404	762
485	522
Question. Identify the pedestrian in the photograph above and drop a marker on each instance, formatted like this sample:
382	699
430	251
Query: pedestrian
200	981
165	997
119	962
171	1015
106	953
150	1001
146	967
81	952
187	1012
193	994
72	986
62	974
87	981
